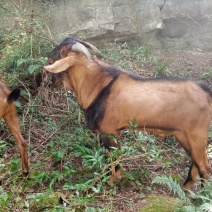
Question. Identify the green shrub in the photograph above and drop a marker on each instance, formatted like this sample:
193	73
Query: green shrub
23	48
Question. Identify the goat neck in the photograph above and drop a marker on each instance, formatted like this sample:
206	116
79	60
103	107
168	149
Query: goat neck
87	83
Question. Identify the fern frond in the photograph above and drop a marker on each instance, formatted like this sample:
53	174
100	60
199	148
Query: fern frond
206	207
172	185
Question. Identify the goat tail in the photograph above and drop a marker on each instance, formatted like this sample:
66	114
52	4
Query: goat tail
14	95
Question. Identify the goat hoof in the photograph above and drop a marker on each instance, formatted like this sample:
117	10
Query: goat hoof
113	179
25	173
110	182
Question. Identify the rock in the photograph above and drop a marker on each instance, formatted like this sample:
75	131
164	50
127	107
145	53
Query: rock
174	24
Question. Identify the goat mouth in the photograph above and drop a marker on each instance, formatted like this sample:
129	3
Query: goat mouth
57	84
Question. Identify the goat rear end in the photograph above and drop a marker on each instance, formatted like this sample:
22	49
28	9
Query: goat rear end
8	112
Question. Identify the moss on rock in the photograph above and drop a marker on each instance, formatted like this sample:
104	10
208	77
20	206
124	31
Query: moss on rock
160	204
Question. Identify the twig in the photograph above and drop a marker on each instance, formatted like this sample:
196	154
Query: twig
16	6
29	136
46	37
51	135
29	98
63	111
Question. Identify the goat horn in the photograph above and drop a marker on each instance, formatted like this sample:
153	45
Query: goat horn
91	46
78	47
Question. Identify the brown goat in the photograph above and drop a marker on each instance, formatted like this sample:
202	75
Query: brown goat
111	98
8	112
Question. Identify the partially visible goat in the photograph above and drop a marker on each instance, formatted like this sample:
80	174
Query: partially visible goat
111	98
8	112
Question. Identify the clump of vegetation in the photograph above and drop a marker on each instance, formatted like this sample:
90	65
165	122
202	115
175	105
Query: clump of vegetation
208	74
200	201
160	66
23	48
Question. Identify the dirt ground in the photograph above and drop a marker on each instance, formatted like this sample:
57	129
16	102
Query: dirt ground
187	64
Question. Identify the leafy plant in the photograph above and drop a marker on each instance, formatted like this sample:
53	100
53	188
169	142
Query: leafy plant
24	48
172	185
201	201
160	66
208	74
210	133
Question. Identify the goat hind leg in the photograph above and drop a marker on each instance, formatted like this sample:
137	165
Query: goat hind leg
200	164
203	167
12	122
193	171
192	176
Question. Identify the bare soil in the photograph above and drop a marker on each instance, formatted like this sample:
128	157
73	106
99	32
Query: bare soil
189	64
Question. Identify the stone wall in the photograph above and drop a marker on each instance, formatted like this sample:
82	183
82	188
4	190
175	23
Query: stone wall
178	24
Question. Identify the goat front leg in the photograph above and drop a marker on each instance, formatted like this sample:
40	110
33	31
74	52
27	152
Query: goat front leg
116	170
12	121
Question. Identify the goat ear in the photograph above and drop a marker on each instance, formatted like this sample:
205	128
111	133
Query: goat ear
60	65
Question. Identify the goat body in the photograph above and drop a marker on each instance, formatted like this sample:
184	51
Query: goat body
111	98
8	112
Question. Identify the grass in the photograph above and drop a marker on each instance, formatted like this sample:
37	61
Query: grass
208	74
68	169
68	166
